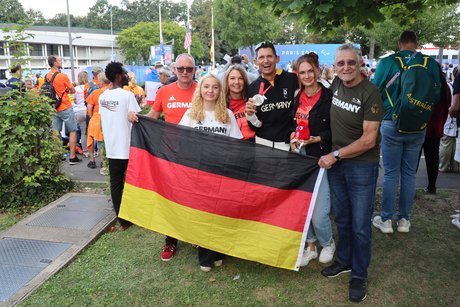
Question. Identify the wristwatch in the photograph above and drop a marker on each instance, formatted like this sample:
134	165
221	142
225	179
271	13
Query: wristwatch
336	154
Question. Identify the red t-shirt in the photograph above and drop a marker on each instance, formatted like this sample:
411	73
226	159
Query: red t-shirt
238	107
173	101
306	103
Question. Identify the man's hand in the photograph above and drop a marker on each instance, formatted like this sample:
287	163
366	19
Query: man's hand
250	107
245	59
327	161
132	117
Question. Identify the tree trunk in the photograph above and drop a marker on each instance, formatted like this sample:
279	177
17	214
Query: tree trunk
440	54
371	48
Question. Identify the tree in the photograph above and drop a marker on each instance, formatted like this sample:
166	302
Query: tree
135	42
241	24
325	15
11	11
60	20
35	17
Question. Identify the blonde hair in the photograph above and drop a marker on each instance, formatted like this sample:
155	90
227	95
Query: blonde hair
243	73
132	78
102	78
197	109
83	77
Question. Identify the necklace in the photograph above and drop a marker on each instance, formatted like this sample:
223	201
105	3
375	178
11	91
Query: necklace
313	93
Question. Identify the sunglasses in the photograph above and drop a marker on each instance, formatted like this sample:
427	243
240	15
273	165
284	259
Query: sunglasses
187	69
264	45
349	62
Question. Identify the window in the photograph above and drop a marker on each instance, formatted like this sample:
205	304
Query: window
445	57
35	50
52	49
65	50
2	74
2	48
455	56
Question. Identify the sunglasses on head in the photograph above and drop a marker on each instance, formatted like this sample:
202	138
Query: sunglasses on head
264	45
349	62
187	69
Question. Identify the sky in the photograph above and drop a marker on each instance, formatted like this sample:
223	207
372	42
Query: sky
50	8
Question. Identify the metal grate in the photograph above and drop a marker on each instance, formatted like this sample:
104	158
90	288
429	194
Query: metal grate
84	203
21	260
69	219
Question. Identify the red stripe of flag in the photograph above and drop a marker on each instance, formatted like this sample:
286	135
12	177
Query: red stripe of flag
197	189
188	37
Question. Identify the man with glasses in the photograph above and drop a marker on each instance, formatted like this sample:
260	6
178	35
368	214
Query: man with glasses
356	113
400	151
269	116
173	100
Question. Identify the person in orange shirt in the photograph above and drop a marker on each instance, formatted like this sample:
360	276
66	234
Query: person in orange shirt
173	100
94	127
93	84
138	91
65	114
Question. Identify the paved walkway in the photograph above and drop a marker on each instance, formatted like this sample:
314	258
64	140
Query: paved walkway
40	245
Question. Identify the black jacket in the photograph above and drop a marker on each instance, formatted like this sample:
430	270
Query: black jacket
275	112
319	123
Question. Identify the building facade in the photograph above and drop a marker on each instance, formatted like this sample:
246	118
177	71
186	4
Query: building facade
92	47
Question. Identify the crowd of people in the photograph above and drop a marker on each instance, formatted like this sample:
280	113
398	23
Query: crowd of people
338	116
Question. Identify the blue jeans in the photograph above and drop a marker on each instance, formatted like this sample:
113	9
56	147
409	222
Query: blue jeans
400	153
320	226
353	187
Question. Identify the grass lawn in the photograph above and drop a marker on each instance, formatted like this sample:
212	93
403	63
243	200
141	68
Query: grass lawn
420	268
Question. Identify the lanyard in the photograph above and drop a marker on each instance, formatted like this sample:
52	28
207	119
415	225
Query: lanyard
261	89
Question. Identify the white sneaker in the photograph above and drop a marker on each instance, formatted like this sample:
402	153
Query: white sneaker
456	222
403	225
308	255
205	268
384	227
327	253
218	262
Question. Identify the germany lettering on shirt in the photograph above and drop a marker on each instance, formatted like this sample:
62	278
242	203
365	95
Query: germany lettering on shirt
306	103
238	107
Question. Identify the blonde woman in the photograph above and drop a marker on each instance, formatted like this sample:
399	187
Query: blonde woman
138	91
209	113
79	108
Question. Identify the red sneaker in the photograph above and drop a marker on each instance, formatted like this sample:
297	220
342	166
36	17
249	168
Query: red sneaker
168	252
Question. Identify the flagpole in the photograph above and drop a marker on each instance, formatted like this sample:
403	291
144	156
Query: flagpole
161	35
188	22
212	40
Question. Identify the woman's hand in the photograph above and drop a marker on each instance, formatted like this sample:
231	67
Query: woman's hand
132	117
250	107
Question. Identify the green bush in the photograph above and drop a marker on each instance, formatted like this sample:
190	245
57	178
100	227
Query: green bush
30	152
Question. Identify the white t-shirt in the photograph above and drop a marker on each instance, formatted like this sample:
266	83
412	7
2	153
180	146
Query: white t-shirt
210	124
114	105
79	97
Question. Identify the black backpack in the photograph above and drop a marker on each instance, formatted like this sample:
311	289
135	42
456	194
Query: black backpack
47	89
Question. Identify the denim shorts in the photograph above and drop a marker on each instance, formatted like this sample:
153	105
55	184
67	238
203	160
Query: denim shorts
67	117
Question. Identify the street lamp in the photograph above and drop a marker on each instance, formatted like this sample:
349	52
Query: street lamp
70	44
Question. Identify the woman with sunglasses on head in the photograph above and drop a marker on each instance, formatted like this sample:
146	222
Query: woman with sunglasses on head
312	115
235	89
208	113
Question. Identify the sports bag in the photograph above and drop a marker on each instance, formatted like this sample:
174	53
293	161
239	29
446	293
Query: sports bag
418	94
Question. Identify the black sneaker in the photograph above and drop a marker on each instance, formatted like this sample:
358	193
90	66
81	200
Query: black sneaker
357	291
335	270
92	164
73	161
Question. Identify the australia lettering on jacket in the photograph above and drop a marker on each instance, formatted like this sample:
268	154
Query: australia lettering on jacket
275	105
110	105
177	105
345	105
221	130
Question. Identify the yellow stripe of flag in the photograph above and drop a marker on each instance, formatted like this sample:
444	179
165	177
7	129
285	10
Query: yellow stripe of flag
245	239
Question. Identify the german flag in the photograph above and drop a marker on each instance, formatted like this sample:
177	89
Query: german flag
235	197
